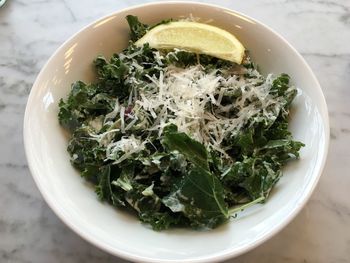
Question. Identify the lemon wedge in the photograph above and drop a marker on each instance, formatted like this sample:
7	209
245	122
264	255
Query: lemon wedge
195	37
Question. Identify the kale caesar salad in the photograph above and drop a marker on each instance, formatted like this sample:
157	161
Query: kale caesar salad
180	128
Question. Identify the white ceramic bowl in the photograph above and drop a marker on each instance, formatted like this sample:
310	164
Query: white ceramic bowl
123	235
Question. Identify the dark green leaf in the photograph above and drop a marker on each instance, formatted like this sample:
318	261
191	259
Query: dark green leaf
161	220
103	189
280	84
194	151
137	29
282	150
200	197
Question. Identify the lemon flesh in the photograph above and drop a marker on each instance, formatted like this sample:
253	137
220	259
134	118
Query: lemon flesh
195	37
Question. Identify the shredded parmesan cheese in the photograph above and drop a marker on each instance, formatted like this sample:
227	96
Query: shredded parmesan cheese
193	99
183	96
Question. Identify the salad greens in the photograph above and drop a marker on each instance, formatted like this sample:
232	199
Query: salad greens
176	138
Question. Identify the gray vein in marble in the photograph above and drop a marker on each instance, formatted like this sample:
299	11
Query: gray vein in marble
345	18
319	3
302	13
333	135
340	210
344	130
346	114
332	4
329	55
69	10
14	166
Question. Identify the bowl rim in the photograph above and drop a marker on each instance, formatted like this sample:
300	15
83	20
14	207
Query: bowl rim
214	257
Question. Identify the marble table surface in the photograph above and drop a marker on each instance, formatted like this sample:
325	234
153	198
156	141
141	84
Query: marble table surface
30	31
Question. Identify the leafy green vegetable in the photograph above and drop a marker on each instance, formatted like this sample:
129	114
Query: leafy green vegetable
137	29
176	138
199	196
193	150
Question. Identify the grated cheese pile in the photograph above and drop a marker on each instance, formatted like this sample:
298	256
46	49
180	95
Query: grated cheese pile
191	98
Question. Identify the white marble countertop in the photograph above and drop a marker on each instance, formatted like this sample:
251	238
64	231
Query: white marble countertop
30	31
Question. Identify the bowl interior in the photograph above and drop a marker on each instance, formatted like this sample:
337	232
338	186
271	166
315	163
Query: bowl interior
122	234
